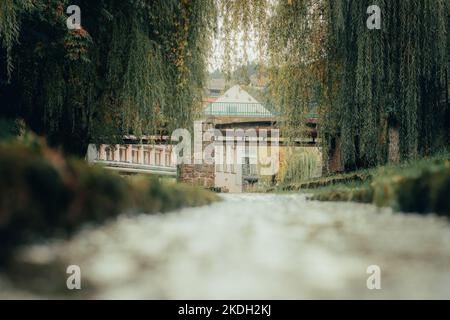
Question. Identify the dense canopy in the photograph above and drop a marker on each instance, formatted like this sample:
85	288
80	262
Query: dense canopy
138	66
371	87
134	67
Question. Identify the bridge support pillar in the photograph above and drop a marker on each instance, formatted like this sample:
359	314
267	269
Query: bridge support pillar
203	174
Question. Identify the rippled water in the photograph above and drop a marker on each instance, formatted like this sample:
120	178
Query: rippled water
248	246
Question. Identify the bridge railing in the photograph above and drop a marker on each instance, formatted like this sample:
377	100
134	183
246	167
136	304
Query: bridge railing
229	109
135	158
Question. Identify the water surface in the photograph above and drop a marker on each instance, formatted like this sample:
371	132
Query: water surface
246	247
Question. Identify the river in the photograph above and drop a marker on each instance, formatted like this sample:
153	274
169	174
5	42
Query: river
245	247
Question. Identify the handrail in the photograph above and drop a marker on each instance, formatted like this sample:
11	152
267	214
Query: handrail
238	109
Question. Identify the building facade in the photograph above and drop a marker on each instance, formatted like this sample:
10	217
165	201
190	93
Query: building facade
248	149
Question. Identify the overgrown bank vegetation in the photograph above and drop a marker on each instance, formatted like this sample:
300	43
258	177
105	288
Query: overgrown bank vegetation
43	194
421	186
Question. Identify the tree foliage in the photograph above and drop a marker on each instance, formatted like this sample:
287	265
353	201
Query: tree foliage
138	65
134	67
393	77
363	82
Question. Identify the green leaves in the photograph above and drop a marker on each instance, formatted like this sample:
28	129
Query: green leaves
389	76
134	67
138	66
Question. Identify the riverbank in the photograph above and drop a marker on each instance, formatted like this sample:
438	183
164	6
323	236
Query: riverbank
421	186
44	194
248	246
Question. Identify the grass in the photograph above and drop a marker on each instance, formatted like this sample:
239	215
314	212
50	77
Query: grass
356	192
421	186
358	177
43	194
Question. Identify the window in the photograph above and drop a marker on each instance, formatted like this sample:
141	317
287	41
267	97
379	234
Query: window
225	167
229	159
249	167
234	163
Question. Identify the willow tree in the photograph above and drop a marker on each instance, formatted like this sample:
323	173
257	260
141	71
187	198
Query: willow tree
290	37
138	65
135	67
372	87
393	78
241	23
296	62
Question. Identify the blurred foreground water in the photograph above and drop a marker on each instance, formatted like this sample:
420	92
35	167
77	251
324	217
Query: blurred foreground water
246	247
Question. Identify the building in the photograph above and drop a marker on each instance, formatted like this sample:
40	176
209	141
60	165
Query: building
215	88
248	149
149	155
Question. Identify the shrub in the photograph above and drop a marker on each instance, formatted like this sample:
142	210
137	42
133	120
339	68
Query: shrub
9	128
421	186
43	194
299	166
425	191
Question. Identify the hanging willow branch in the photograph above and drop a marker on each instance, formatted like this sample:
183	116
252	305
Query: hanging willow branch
139	66
10	11
393	77
135	67
363	82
